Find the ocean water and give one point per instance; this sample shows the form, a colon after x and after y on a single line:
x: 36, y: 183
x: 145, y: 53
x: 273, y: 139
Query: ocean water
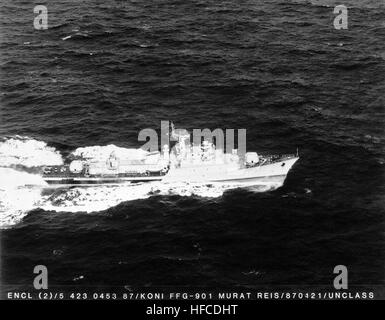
x: 104, y: 70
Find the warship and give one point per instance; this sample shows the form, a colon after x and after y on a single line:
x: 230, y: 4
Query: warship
x: 185, y: 162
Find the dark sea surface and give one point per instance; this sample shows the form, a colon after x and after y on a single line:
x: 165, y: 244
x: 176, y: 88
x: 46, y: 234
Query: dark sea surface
x: 104, y: 70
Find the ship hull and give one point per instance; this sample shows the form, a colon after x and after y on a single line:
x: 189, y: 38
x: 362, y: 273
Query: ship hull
x: 274, y: 173
x: 226, y: 173
x: 86, y: 181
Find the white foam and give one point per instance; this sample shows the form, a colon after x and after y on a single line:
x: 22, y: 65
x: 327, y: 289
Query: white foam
x: 103, y: 152
x: 20, y: 192
x: 91, y: 199
x: 99, y: 198
x: 10, y: 178
x: 27, y: 152
x: 18, y: 201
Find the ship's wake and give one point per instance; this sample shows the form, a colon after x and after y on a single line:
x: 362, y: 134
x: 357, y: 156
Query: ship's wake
x: 21, y: 192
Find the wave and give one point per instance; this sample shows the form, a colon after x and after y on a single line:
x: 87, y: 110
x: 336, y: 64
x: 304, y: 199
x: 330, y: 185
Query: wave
x: 103, y: 152
x: 11, y: 178
x: 15, y: 203
x: 16, y: 199
x: 27, y: 152
x: 77, y: 35
x: 100, y: 198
